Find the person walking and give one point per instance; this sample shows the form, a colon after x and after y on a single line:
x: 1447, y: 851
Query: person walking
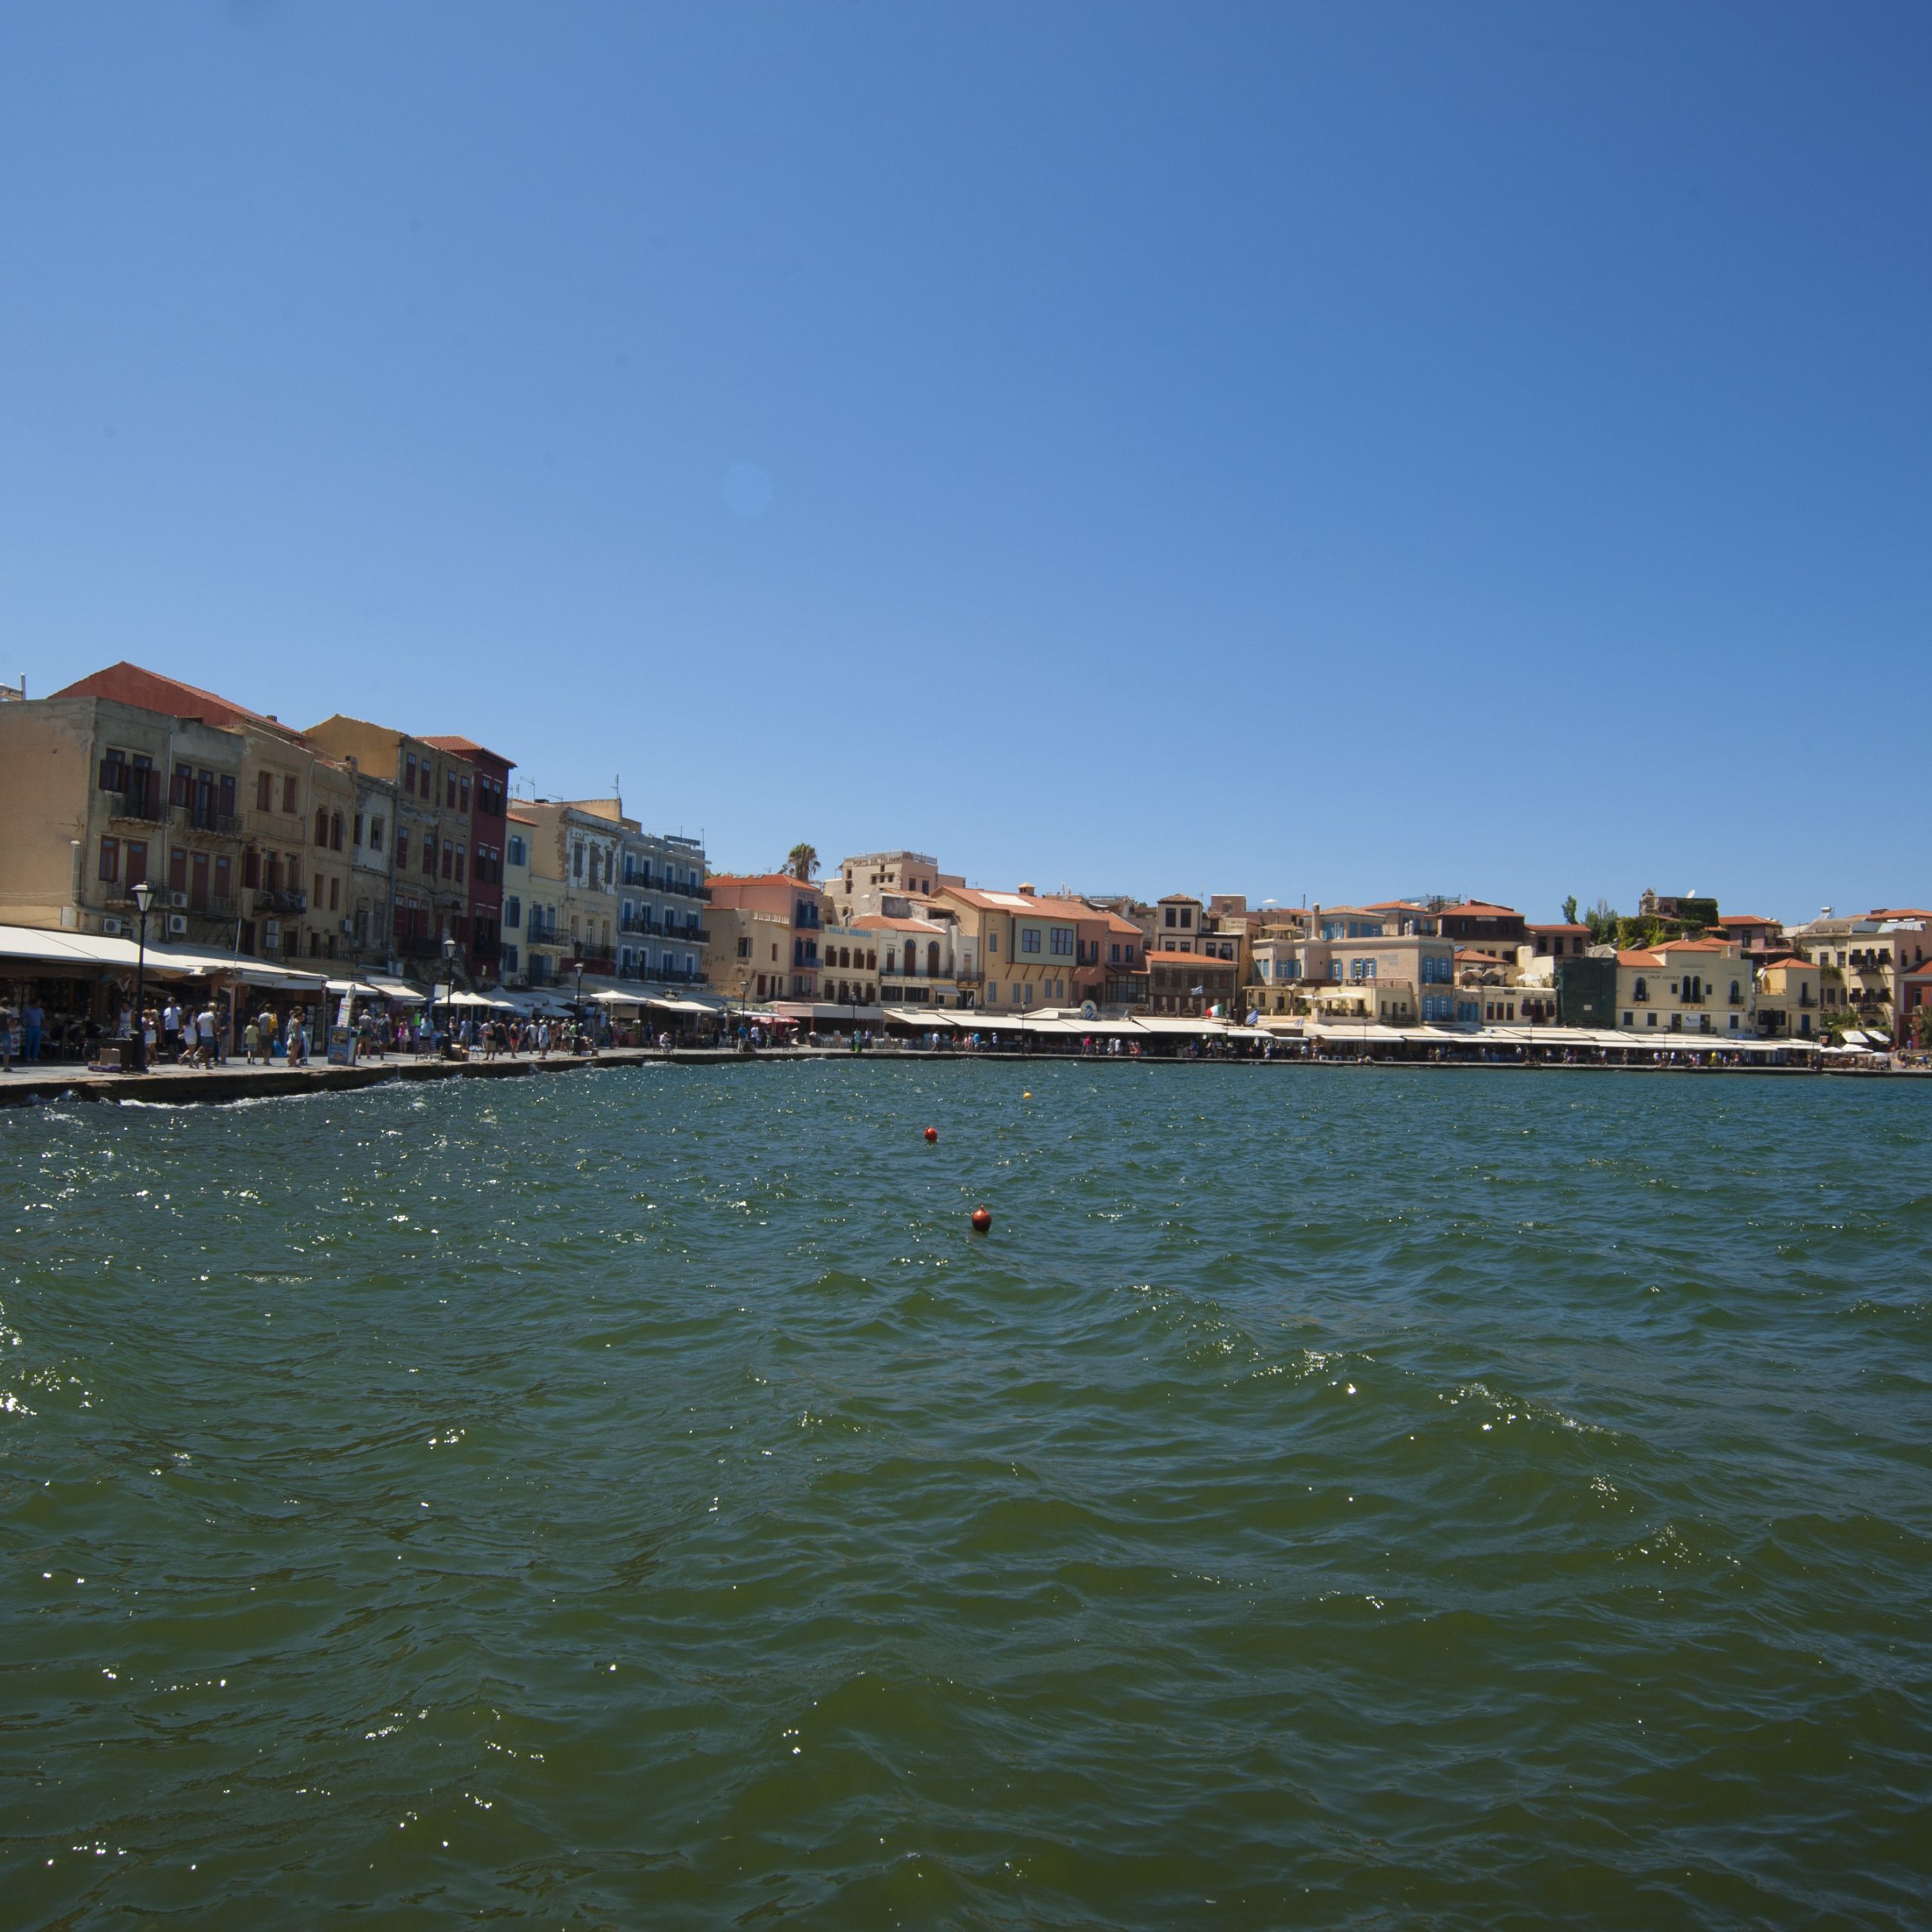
x: 204, y: 1035
x: 31, y: 1019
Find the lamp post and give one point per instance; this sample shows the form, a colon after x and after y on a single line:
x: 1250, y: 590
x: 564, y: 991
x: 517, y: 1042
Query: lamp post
x: 138, y: 1043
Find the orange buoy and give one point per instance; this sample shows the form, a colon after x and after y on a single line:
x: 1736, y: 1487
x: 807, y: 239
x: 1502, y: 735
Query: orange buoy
x: 981, y: 1220
x: 932, y: 1133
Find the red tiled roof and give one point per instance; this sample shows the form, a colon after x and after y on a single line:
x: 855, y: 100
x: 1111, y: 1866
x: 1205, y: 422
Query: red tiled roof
x: 469, y: 747
x: 1479, y: 909
x: 132, y: 684
x: 1785, y: 959
x: 756, y: 878
x: 1557, y: 929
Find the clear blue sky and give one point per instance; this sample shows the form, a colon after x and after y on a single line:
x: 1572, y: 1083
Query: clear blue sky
x: 1324, y: 450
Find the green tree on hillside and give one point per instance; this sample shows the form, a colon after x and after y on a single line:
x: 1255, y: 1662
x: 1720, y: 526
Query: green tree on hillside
x: 1569, y: 910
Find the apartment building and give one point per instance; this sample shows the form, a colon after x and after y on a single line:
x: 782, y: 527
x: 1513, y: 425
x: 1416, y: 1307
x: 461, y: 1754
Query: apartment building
x: 371, y: 867
x: 663, y: 898
x: 1787, y: 999
x: 804, y: 908
x: 1863, y: 960
x: 534, y: 952
x: 488, y: 796
x: 432, y: 848
x: 98, y: 796
x: 746, y: 953
x: 860, y: 885
x: 1404, y: 980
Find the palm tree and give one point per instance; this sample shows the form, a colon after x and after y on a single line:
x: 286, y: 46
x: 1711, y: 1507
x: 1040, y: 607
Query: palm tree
x: 801, y: 861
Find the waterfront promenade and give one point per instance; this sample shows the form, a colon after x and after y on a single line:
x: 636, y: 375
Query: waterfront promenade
x: 178, y: 1086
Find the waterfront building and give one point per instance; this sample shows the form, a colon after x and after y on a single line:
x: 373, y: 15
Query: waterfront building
x: 860, y: 884
x: 803, y: 907
x: 268, y: 811
x: 1015, y: 951
x: 746, y: 953
x: 1475, y: 922
x: 849, y: 975
x: 1191, y: 983
x: 371, y: 868
x: 1680, y: 986
x: 1404, y: 980
x: 1763, y: 940
x: 328, y: 926
x: 488, y: 798
x: 1559, y: 942
x: 534, y: 953
x: 430, y: 861
x: 916, y: 955
x: 1863, y: 960
x: 98, y: 796
x: 663, y: 898
x: 578, y: 842
x: 1787, y: 1003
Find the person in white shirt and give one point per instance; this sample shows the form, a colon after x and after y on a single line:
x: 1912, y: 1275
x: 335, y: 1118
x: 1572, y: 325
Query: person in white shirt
x: 170, y: 1029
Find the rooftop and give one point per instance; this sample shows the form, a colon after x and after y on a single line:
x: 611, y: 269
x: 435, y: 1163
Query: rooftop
x: 468, y: 748
x: 133, y: 683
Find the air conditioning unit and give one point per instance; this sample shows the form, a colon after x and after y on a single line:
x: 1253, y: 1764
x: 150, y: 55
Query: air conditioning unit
x: 114, y: 928
x: 177, y: 899
x: 177, y: 924
x: 272, y: 932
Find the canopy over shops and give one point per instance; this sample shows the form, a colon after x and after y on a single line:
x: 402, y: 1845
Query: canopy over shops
x: 25, y: 946
x: 398, y: 992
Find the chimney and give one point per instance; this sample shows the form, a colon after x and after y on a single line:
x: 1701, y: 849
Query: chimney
x: 1028, y: 890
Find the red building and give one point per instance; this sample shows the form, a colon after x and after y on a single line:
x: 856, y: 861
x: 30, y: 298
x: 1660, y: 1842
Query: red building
x: 489, y: 807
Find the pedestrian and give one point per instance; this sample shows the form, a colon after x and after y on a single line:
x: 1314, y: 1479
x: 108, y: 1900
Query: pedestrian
x: 171, y: 1029
x: 9, y: 1039
x: 204, y: 1031
x: 31, y: 1019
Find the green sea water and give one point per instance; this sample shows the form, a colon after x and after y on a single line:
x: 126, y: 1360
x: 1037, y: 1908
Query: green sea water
x: 1328, y: 1497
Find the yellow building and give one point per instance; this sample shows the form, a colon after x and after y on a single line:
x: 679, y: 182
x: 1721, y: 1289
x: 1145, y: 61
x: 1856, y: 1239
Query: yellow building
x: 1789, y: 995
x: 1701, y: 987
x: 1016, y: 950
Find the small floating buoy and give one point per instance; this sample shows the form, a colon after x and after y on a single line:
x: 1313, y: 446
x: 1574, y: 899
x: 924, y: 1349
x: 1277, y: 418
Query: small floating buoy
x: 981, y: 1220
x: 932, y: 1133
x: 1028, y: 1095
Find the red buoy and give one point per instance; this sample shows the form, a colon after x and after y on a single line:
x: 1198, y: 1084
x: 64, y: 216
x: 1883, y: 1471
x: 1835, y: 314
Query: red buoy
x: 932, y: 1133
x: 981, y: 1220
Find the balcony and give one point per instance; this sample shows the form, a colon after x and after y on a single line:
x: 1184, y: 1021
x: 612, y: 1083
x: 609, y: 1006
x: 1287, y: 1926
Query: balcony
x: 639, y: 923
x: 276, y: 899
x: 196, y: 818
x: 135, y: 793
x: 417, y: 945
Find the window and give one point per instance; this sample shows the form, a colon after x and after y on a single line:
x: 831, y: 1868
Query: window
x: 228, y: 794
x: 1063, y: 940
x: 409, y: 773
x: 136, y: 858
x: 177, y: 869
x: 401, y: 843
x: 264, y: 792
x: 429, y: 853
x: 288, y: 803
x: 744, y: 949
x: 518, y: 855
x: 449, y: 858
x: 1641, y: 991
x: 1171, y: 911
x: 463, y: 800
x: 1029, y: 939
x: 224, y: 878
x: 335, y: 832
x: 992, y: 941
x: 110, y: 861
x: 459, y: 856
x: 358, y: 828
x: 321, y: 826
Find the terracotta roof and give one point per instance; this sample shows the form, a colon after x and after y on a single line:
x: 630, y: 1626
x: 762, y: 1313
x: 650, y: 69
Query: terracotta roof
x: 878, y: 922
x: 470, y: 747
x: 1878, y: 912
x: 1745, y: 919
x: 1785, y: 959
x: 1557, y: 929
x: 131, y: 684
x: 1478, y: 909
x: 1021, y: 904
x: 1640, y: 958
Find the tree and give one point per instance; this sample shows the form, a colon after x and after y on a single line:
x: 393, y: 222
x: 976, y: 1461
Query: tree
x: 801, y: 862
x: 1603, y: 919
x: 1569, y: 910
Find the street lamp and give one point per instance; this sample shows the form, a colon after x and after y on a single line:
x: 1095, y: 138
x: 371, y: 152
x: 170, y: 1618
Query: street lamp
x: 138, y: 1044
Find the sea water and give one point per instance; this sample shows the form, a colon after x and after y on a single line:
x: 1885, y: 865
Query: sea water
x: 1328, y: 1496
